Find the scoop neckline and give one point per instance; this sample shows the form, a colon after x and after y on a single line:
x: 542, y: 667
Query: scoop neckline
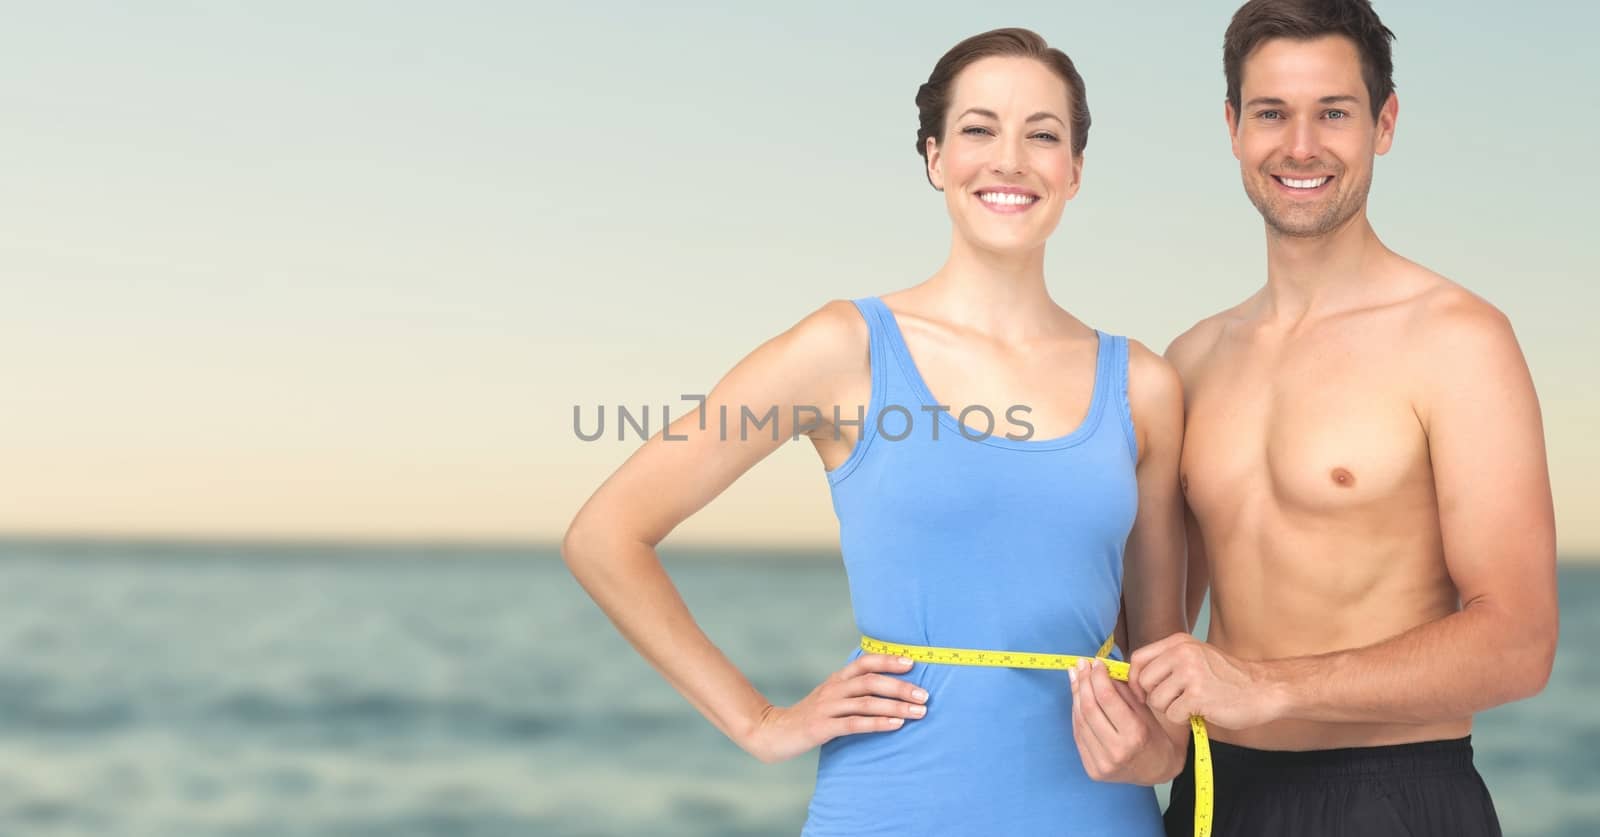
x: 919, y: 386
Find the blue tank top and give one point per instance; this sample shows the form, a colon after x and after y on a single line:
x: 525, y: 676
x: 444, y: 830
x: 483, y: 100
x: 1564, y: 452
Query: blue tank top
x: 992, y: 542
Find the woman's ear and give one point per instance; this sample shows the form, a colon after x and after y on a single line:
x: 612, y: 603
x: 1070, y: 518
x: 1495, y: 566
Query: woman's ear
x: 935, y: 168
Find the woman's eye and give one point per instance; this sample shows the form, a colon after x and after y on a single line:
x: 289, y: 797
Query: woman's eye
x: 974, y: 130
x: 1046, y: 136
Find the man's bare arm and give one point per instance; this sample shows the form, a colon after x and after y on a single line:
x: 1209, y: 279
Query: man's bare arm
x: 1491, y: 478
x: 1186, y: 353
x: 1199, y: 571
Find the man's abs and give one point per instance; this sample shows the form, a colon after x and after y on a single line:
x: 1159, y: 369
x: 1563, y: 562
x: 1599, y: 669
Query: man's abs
x: 1284, y: 593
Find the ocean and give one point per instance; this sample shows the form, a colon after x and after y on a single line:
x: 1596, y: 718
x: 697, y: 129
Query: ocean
x: 187, y: 690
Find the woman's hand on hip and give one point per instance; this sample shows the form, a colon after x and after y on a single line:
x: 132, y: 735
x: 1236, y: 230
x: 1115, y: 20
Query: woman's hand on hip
x: 858, y: 698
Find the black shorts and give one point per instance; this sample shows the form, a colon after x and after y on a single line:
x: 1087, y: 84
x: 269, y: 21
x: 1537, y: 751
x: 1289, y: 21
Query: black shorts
x: 1407, y: 790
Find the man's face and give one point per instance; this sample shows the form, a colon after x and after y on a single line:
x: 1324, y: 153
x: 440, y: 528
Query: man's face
x: 1304, y: 134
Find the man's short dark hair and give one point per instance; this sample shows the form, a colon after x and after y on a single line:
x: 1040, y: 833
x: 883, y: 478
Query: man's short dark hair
x: 1259, y: 21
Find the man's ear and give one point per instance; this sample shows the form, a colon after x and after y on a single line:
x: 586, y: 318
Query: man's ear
x: 1387, y: 116
x: 1232, y: 117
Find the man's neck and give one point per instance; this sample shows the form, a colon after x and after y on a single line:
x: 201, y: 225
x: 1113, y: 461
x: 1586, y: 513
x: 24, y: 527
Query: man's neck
x: 1312, y: 276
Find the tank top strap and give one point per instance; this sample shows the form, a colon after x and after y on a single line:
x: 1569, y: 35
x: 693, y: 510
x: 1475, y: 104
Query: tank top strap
x: 880, y: 360
x: 1112, y: 376
x: 891, y: 382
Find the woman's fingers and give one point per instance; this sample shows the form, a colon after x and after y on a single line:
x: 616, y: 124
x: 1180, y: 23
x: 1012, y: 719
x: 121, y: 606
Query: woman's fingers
x: 1116, y: 701
x: 877, y: 706
x: 884, y: 686
x: 870, y: 714
x: 1090, y: 748
x: 864, y: 696
x: 869, y: 663
x: 854, y: 724
x: 1095, y: 711
x: 1110, y: 724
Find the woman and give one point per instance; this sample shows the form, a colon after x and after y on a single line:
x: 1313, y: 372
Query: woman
x: 1013, y: 534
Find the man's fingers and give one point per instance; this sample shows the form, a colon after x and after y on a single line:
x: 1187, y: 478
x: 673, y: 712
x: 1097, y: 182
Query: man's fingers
x: 1156, y: 649
x: 1152, y: 674
x: 1163, y: 697
x: 1180, y: 710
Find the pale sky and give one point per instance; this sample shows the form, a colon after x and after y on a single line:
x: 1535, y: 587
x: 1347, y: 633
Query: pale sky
x: 343, y: 270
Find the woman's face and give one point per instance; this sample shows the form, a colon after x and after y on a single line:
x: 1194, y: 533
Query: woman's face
x: 1005, y: 161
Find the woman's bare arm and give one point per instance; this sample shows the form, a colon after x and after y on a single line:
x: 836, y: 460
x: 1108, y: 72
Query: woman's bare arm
x: 610, y: 546
x: 1118, y: 736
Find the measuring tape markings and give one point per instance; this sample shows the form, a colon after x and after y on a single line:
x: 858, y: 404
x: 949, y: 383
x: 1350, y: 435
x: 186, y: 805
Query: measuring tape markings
x: 1061, y: 662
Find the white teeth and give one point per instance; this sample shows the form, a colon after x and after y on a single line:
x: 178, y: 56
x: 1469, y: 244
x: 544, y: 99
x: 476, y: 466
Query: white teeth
x: 1303, y: 184
x: 1006, y: 198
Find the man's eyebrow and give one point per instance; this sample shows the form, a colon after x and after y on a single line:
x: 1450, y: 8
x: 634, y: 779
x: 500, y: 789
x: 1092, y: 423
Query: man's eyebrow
x: 989, y: 114
x: 1271, y: 101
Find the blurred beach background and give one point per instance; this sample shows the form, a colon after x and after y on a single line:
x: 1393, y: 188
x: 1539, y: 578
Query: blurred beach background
x: 298, y: 301
x: 244, y: 690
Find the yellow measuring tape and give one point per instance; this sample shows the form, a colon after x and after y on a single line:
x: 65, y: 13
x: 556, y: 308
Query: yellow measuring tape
x: 1061, y: 662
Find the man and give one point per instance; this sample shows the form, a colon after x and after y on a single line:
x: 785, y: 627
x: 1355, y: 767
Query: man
x: 1365, y: 473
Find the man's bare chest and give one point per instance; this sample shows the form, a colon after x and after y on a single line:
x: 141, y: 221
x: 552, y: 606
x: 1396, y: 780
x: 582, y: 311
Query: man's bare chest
x: 1315, y: 428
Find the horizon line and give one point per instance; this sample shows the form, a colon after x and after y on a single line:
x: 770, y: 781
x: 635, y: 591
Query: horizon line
x: 194, y: 540
x: 355, y: 541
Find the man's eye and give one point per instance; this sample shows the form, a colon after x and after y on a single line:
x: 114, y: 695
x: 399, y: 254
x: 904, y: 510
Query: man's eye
x: 1270, y: 115
x: 1337, y: 114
